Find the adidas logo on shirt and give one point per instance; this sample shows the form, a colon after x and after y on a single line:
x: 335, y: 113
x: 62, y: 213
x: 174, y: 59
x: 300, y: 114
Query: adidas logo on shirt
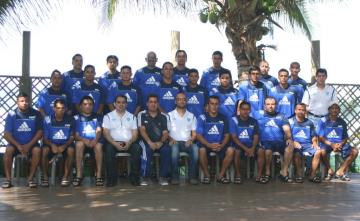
x: 151, y: 80
x: 254, y: 98
x: 168, y: 96
x: 301, y: 134
x: 193, y: 100
x: 284, y: 101
x: 24, y: 127
x: 244, y: 135
x: 229, y: 101
x: 271, y: 123
x: 76, y: 85
x: 128, y: 98
x: 213, y: 130
x: 332, y: 134
x: 215, y: 82
x: 181, y: 81
x: 59, y: 135
x: 88, y: 130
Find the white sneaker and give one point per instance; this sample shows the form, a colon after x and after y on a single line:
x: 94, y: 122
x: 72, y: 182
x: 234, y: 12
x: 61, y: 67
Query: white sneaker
x: 163, y: 181
x: 143, y: 181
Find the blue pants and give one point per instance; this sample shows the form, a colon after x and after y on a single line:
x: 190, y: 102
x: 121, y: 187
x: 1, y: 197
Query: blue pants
x: 147, y: 156
x: 193, y: 152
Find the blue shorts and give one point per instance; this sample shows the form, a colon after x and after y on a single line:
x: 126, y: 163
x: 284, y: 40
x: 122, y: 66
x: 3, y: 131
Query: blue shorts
x: 64, y: 153
x: 345, y: 151
x: 220, y: 154
x: 242, y: 153
x: 274, y: 146
x: 305, y: 150
x: 17, y: 152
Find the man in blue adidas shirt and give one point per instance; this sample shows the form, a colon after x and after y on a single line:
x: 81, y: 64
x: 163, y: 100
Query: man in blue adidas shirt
x: 295, y: 80
x: 266, y: 78
x: 196, y: 95
x: 148, y: 78
x: 286, y: 95
x: 227, y: 94
x: 88, y: 138
x: 59, y: 131
x: 23, y: 130
x: 275, y: 136
x: 305, y: 143
x: 112, y: 75
x: 74, y: 76
x: 154, y: 133
x: 210, y: 77
x: 127, y: 88
x: 181, y: 72
x: 245, y: 134
x: 334, y: 137
x: 168, y: 89
x: 253, y: 90
x: 212, y: 132
x: 89, y: 88
x: 45, y: 102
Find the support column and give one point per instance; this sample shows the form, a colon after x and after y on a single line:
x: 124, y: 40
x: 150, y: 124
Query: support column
x: 25, y: 81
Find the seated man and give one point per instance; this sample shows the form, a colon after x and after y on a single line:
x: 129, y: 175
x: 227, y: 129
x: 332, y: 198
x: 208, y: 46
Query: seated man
x: 333, y: 135
x: 58, y: 139
x: 88, y: 136
x: 305, y: 143
x: 245, y: 134
x: 23, y: 130
x: 154, y: 135
x: 120, y: 132
x: 275, y: 136
x: 212, y: 132
x: 182, y: 128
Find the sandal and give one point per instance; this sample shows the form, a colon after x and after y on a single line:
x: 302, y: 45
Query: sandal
x: 237, y: 180
x: 6, y: 184
x: 99, y: 181
x: 65, y: 183
x: 315, y: 179
x: 206, y: 180
x: 264, y: 179
x: 32, y: 184
x: 223, y: 180
x: 343, y: 178
x: 299, y: 180
x: 329, y: 177
x: 285, y: 179
x: 44, y: 183
x: 77, y: 181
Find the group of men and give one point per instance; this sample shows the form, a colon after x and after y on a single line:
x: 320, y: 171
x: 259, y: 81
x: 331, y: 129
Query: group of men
x: 165, y: 110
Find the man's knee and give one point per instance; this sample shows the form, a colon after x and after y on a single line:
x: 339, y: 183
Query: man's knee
x: 79, y: 145
x: 230, y: 151
x: 36, y: 151
x: 9, y: 151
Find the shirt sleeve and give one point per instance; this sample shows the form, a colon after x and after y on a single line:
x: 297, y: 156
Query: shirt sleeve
x: 38, y: 121
x: 41, y: 100
x: 226, y: 125
x: 133, y: 123
x: 321, y: 125
x: 9, y: 125
x: 232, y: 125
x: 193, y: 125
x: 306, y: 97
x: 46, y: 129
x: 344, y: 133
x: 106, y: 121
x: 256, y: 128
x: 200, y: 124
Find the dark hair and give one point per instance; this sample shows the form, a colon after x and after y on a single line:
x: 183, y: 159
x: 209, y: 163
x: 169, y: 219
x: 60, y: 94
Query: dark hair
x: 167, y: 62
x: 125, y: 67
x: 86, y: 98
x: 321, y: 70
x: 283, y: 70
x: 76, y: 55
x: 245, y: 103
x: 59, y: 101
x: 217, y: 53
x: 112, y: 57
x: 193, y: 70
x: 180, y: 51
x: 22, y: 94
x: 225, y: 71
x: 152, y: 95
x: 213, y: 97
x: 55, y: 72
x: 120, y: 95
x: 270, y: 98
x: 253, y: 68
x: 89, y: 66
x: 295, y: 63
x: 301, y: 104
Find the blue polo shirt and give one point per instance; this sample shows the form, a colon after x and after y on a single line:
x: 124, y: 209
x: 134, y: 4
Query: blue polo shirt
x: 302, y: 132
x: 228, y: 98
x: 132, y: 93
x: 269, y: 81
x: 167, y: 95
x: 196, y: 99
x: 86, y: 125
x: 244, y: 129
x: 286, y: 99
x: 270, y: 126
x: 213, y: 129
x: 334, y: 132
x: 48, y: 96
x: 210, y: 78
x: 59, y: 132
x: 181, y: 76
x: 94, y: 90
x: 254, y: 94
x: 107, y: 79
x: 70, y: 80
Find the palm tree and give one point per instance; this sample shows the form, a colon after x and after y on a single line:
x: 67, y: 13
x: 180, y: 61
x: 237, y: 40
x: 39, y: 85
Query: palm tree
x: 245, y: 21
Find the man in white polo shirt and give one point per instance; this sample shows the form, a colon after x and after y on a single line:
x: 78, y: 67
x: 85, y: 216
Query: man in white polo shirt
x: 318, y: 97
x: 120, y: 132
x: 182, y: 127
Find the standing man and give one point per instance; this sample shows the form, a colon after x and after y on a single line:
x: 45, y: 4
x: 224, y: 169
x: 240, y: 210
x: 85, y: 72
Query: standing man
x: 181, y: 71
x: 127, y: 88
x: 318, y: 97
x: 275, y: 136
x: 286, y: 95
x: 59, y: 130
x: 266, y: 78
x: 89, y: 88
x: 88, y: 138
x: 154, y: 137
x: 334, y: 137
x: 210, y: 77
x: 74, y: 76
x: 45, y: 102
x: 182, y: 127
x: 148, y: 78
x: 112, y: 75
x: 305, y: 143
x: 212, y: 132
x: 196, y: 94
x: 120, y: 132
x: 295, y: 80
x: 245, y: 134
x: 23, y: 130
